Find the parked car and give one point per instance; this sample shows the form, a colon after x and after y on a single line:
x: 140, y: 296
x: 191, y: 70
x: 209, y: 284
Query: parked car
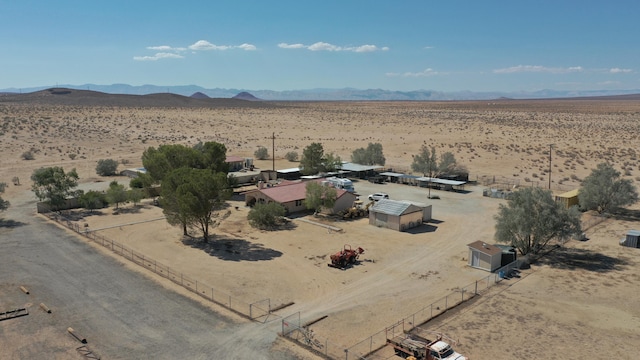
x: 378, y: 196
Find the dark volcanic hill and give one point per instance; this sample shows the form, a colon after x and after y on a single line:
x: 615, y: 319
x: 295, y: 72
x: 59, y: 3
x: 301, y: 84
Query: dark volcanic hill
x: 64, y: 96
x: 246, y: 96
x: 199, y: 95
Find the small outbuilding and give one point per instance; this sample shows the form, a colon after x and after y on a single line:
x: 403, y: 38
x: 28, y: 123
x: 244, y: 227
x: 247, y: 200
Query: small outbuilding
x: 484, y: 256
x: 631, y: 240
x: 568, y: 199
x: 395, y: 215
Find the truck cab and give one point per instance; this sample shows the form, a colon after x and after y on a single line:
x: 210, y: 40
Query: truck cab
x: 440, y: 350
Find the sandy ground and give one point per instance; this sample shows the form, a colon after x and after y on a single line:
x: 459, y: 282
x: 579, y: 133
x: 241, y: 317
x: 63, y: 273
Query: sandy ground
x: 552, y: 308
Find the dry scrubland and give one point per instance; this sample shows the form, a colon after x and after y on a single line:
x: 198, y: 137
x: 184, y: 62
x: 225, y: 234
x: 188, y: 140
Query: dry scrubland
x: 588, y: 299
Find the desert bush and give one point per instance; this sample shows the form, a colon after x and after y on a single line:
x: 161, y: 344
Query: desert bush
x: 262, y: 153
x: 28, y: 155
x: 72, y: 156
x: 266, y: 216
x: 291, y: 156
x: 136, y: 183
x: 106, y: 167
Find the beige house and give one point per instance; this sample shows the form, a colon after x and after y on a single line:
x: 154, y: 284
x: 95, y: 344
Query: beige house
x: 396, y: 215
x: 484, y: 256
x: 291, y: 195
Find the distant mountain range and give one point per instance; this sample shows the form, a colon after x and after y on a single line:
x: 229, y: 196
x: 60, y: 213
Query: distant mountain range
x: 346, y: 94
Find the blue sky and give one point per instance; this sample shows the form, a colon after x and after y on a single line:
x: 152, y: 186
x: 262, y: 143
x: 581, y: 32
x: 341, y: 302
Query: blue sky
x: 291, y: 45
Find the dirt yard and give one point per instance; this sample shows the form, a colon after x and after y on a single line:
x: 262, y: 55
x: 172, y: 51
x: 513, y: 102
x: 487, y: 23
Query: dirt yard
x: 578, y: 296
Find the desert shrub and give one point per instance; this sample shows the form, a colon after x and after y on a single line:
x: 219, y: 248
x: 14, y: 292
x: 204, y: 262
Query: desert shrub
x: 262, y: 153
x: 106, y: 167
x: 136, y: 183
x: 291, y: 156
x: 266, y: 216
x: 72, y: 156
x: 92, y: 200
x: 28, y: 155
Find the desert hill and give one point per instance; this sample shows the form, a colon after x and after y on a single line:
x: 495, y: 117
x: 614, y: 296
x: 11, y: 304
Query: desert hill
x: 65, y: 96
x: 246, y: 96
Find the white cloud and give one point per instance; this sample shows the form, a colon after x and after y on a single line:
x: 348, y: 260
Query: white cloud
x: 205, y: 45
x: 158, y: 56
x: 537, y: 69
x: 423, y: 73
x: 247, y: 47
x: 291, y: 46
x: 323, y: 46
x: 618, y: 70
x: 165, y: 48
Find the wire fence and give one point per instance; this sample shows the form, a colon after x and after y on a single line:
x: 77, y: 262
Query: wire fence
x: 258, y: 310
x: 293, y: 329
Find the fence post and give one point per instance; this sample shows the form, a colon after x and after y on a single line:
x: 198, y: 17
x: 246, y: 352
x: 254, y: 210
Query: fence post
x: 181, y: 279
x: 431, y: 315
x: 212, y: 294
x: 445, y: 302
x: 196, y: 285
x: 476, y: 288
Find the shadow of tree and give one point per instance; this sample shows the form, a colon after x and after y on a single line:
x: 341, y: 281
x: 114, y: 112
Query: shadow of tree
x: 10, y: 223
x: 233, y: 249
x: 627, y: 215
x: 575, y: 259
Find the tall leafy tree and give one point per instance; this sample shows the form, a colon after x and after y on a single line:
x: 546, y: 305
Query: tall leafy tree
x: 319, y: 196
x: 53, y: 186
x: 191, y: 196
x: 331, y: 162
x: 117, y: 194
x: 604, y: 191
x: 372, y: 155
x: 166, y: 158
x: 214, y: 157
x: 312, y: 159
x: 447, y: 163
x: 532, y: 218
x: 425, y: 162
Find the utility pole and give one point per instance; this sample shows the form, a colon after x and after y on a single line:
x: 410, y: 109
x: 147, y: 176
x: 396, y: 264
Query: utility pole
x: 273, y: 152
x: 550, y: 147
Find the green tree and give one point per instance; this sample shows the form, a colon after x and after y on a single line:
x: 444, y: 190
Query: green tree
x: 319, y: 196
x: 266, y: 216
x: 447, y: 163
x: 214, y: 157
x: 116, y: 194
x: 425, y: 162
x: 532, y: 218
x: 372, y: 155
x: 106, y: 167
x: 135, y: 195
x: 312, y: 159
x: 604, y: 191
x: 159, y: 162
x: 53, y: 186
x: 291, y: 156
x: 92, y: 200
x: 262, y: 153
x: 191, y: 196
x: 331, y: 162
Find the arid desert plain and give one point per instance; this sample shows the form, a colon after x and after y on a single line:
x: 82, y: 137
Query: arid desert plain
x: 577, y: 302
